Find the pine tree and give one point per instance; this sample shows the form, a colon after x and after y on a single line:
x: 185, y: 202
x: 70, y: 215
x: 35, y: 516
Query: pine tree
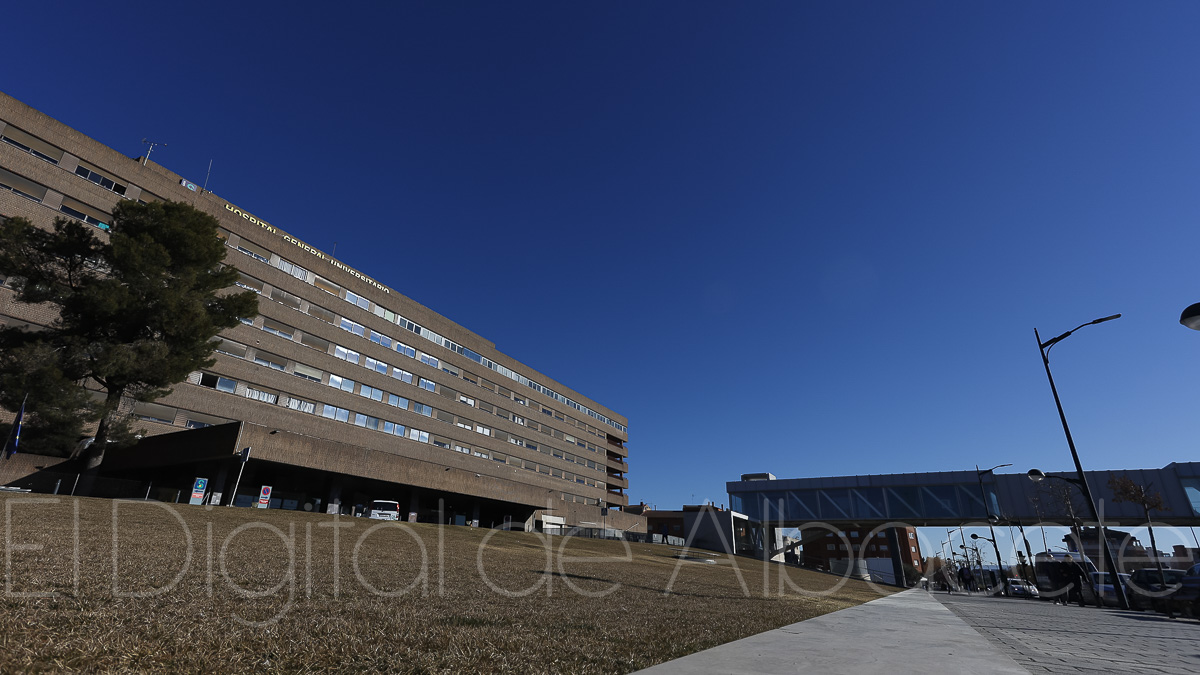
x: 136, y: 313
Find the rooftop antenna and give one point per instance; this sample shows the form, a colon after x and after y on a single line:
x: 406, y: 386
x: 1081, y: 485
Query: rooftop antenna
x: 151, y: 144
x: 334, y: 249
x: 206, y: 176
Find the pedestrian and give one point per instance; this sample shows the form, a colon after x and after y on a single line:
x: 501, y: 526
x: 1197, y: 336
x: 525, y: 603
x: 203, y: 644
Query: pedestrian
x: 1075, y: 577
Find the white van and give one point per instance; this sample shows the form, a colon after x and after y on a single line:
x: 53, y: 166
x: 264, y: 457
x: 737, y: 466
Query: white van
x: 383, y: 510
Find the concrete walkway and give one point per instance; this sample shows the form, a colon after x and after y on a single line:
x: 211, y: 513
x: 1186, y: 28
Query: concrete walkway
x: 908, y: 632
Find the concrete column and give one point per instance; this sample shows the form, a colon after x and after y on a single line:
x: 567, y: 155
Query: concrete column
x: 334, y: 504
x: 412, y: 507
x: 894, y: 544
x: 475, y: 515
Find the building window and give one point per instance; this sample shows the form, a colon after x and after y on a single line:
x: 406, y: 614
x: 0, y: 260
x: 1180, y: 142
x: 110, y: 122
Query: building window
x: 196, y: 424
x: 285, y: 298
x: 270, y: 360
x: 249, y: 283
x: 466, y: 399
x: 402, y: 375
x: 479, y: 428
x: 85, y: 170
x: 381, y: 339
x: 88, y: 214
x: 345, y: 354
x: 422, y: 409
x: 318, y: 312
x: 406, y: 350
x: 314, y: 342
x: 335, y: 413
x: 217, y: 382
x: 377, y: 366
x: 418, y: 435
x: 356, y: 328
x: 31, y: 144
x: 393, y: 428
x: 398, y: 401
x: 308, y: 372
x: 22, y: 186
x: 276, y: 328
x: 426, y: 384
x: 264, y: 396
x: 429, y: 360
x: 327, y: 285
x: 366, y: 421
x: 231, y: 349
x: 359, y: 300
x: 341, y: 383
x: 371, y: 393
x: 302, y: 406
x: 293, y: 269
x: 254, y: 251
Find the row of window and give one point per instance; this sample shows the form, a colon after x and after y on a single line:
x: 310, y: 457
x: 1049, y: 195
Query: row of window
x: 36, y: 192
x: 328, y: 411
x: 381, y: 367
x: 366, y: 391
x: 363, y: 303
x: 53, y: 154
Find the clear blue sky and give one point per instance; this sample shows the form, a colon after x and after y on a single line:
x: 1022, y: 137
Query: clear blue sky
x: 811, y: 239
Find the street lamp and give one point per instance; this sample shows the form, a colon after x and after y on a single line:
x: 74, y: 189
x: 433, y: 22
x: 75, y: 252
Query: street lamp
x: 1044, y: 348
x: 999, y: 565
x: 1191, y: 317
x: 1020, y: 526
x: 987, y: 509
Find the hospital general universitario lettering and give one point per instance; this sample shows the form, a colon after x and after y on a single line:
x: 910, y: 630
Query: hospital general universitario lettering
x: 369, y: 401
x: 308, y: 249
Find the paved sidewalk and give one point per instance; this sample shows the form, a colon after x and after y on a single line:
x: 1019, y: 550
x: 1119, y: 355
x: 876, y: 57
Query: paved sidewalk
x: 908, y: 632
x: 1044, y: 637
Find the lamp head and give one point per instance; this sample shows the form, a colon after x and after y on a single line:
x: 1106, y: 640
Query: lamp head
x: 1191, y: 317
x: 974, y: 536
x: 1036, y: 475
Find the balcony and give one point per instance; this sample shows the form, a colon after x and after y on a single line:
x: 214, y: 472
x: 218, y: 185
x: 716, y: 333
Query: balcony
x: 617, y: 481
x: 616, y: 499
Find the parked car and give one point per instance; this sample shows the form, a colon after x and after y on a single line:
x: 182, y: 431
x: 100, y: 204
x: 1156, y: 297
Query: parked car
x: 1019, y: 588
x: 1103, y: 583
x: 1186, y: 599
x: 1145, y: 590
x: 384, y: 510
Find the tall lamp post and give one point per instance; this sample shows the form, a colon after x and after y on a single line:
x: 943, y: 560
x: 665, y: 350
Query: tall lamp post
x: 988, y: 510
x: 1044, y: 348
x: 999, y: 565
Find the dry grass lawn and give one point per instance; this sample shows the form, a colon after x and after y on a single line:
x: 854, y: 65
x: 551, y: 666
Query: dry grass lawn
x: 285, y: 591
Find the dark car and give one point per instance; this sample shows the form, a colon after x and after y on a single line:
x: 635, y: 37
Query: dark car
x: 1187, y: 599
x: 1145, y: 590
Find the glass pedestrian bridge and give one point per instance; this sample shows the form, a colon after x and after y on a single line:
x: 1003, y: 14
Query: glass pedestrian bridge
x: 952, y: 498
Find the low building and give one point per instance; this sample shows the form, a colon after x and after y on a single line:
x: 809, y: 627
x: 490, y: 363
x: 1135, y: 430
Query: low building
x: 705, y: 526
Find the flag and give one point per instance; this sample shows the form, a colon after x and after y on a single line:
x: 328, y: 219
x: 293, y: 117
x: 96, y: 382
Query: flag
x: 15, y: 436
